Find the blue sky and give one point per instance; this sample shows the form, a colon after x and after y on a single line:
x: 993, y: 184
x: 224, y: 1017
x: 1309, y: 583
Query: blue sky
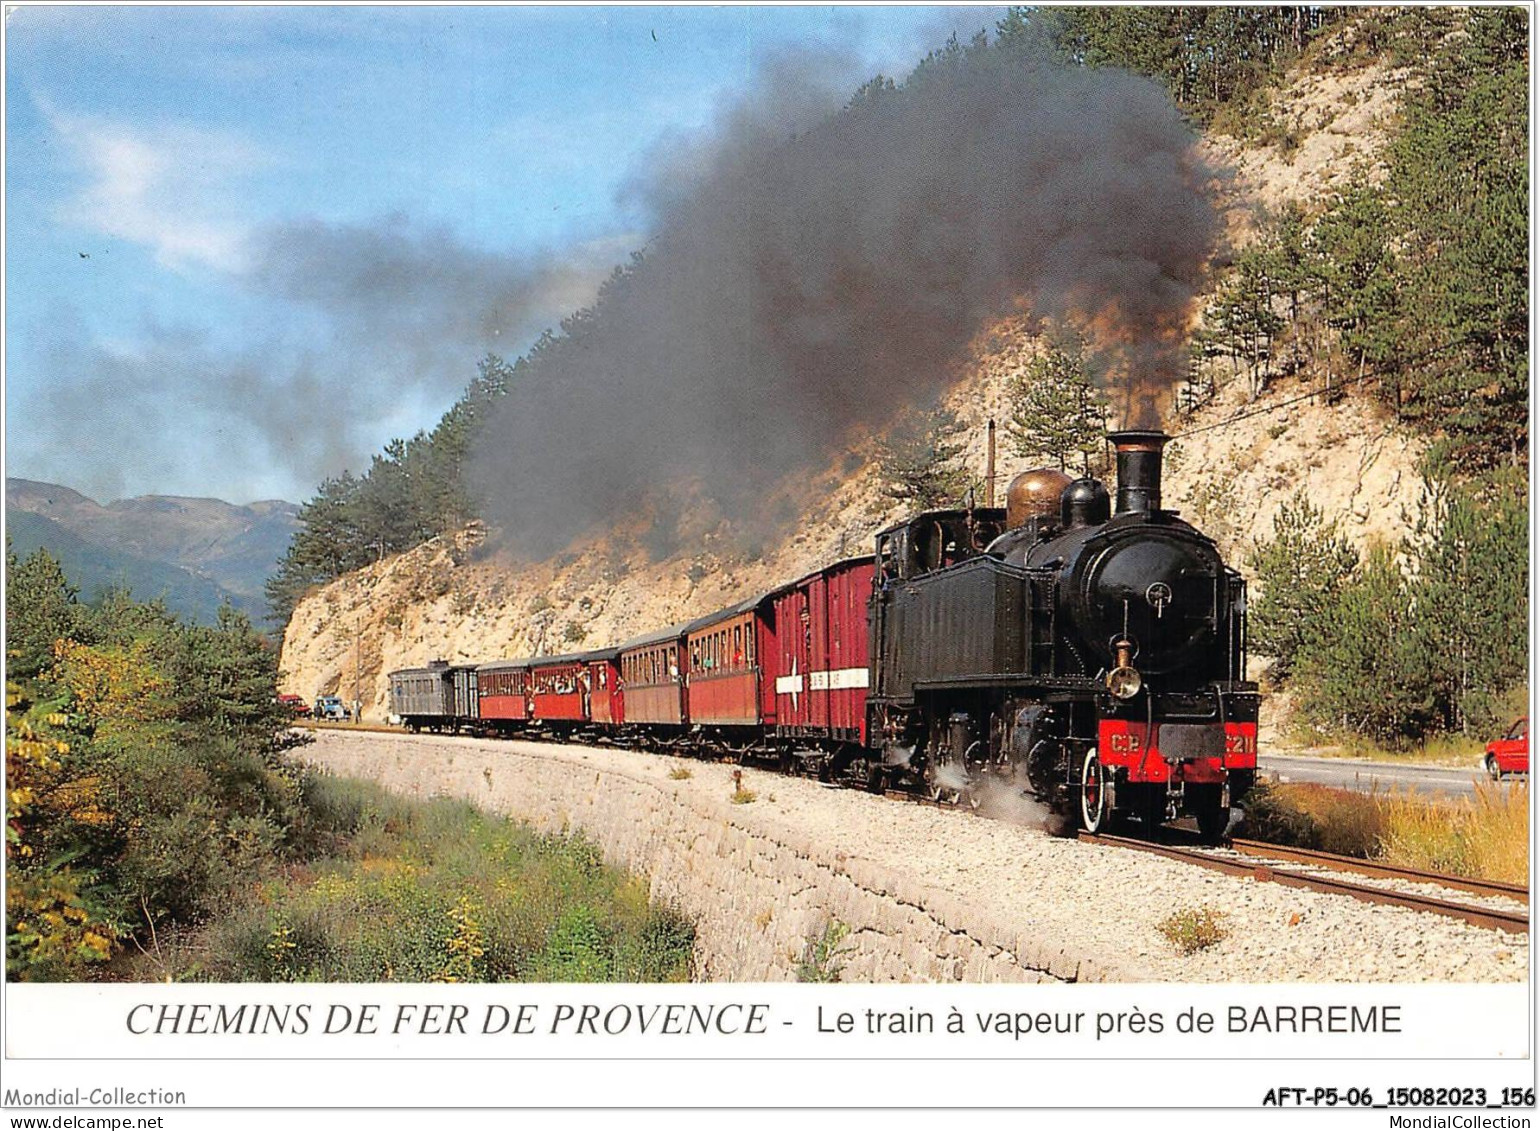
x: 246, y: 246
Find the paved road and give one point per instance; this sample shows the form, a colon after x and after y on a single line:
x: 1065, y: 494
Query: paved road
x: 1346, y: 773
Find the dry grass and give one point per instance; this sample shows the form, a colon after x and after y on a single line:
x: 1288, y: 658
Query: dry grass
x: 1316, y: 816
x: 744, y: 796
x: 1485, y: 836
x: 680, y: 773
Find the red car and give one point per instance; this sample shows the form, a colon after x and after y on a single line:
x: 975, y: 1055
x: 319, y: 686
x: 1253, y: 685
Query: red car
x: 295, y: 704
x: 1510, y: 753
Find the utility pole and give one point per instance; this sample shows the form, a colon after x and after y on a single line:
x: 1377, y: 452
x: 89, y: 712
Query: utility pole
x: 358, y: 637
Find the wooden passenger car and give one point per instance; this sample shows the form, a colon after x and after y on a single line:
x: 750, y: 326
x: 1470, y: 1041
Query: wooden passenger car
x: 727, y: 685
x: 559, y: 689
x: 441, y: 696
x: 652, y: 677
x: 423, y: 697
x: 503, y: 692
x: 822, y: 646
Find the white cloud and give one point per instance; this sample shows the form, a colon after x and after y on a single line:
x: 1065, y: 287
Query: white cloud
x: 171, y: 188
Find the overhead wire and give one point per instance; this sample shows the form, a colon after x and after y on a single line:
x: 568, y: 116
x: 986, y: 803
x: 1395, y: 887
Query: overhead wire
x: 1326, y: 389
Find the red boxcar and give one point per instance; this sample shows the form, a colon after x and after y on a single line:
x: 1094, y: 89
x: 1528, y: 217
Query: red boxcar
x: 504, y: 692
x: 559, y: 688
x: 822, y: 665
x: 652, y: 678
x: 727, y: 685
x: 606, y: 698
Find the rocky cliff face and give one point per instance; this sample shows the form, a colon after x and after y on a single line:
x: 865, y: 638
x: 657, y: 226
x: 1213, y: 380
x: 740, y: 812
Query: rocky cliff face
x: 457, y: 598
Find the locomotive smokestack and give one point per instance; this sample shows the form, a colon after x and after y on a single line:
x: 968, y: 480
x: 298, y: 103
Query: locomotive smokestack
x: 1139, y: 458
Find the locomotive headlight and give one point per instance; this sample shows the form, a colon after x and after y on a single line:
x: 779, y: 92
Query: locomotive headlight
x: 1124, y: 682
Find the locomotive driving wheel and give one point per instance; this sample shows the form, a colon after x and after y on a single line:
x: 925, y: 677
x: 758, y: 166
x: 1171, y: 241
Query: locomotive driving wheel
x: 1093, y: 793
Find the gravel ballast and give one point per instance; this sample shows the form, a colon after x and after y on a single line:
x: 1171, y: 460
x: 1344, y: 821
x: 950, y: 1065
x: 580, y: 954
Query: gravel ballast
x: 1041, y: 907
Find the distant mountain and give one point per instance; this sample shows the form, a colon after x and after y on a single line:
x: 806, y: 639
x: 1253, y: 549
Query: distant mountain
x: 193, y: 552
x: 94, y: 568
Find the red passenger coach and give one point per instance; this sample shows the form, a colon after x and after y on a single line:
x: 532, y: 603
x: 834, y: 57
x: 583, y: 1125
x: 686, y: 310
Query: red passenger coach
x: 504, y: 693
x: 559, y: 689
x: 728, y: 686
x: 606, y: 699
x: 821, y: 653
x: 652, y: 678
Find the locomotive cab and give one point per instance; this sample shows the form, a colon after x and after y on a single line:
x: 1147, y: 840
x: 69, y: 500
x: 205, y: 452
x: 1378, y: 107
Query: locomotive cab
x: 935, y: 540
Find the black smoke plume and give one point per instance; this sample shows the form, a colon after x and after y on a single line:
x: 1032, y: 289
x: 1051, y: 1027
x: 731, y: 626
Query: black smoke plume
x: 815, y: 268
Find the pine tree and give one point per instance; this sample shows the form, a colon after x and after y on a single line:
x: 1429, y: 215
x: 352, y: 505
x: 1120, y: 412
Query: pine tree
x: 1300, y: 571
x: 1459, y: 174
x: 1365, y: 667
x: 40, y: 609
x: 1472, y: 553
x: 1056, y: 412
x: 918, y: 460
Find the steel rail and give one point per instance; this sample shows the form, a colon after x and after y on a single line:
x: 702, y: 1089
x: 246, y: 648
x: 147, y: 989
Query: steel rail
x: 1373, y: 868
x: 1516, y: 922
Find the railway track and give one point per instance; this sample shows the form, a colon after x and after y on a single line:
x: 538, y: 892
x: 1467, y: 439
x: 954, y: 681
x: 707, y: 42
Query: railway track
x: 1506, y: 908
x: 1314, y: 871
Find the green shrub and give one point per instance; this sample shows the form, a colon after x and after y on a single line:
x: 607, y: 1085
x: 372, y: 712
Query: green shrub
x: 438, y: 891
x: 823, y: 957
x: 1194, y: 929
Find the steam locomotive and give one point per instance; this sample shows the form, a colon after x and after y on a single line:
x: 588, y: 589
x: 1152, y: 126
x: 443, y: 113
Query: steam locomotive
x: 1089, y: 656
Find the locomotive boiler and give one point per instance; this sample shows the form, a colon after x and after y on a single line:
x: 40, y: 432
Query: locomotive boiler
x: 1088, y: 654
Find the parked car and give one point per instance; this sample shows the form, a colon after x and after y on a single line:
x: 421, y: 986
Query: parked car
x: 331, y: 707
x: 296, y: 705
x: 1510, y: 753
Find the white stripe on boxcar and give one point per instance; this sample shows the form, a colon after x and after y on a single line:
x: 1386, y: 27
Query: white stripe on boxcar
x: 840, y: 679
x: 788, y: 685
